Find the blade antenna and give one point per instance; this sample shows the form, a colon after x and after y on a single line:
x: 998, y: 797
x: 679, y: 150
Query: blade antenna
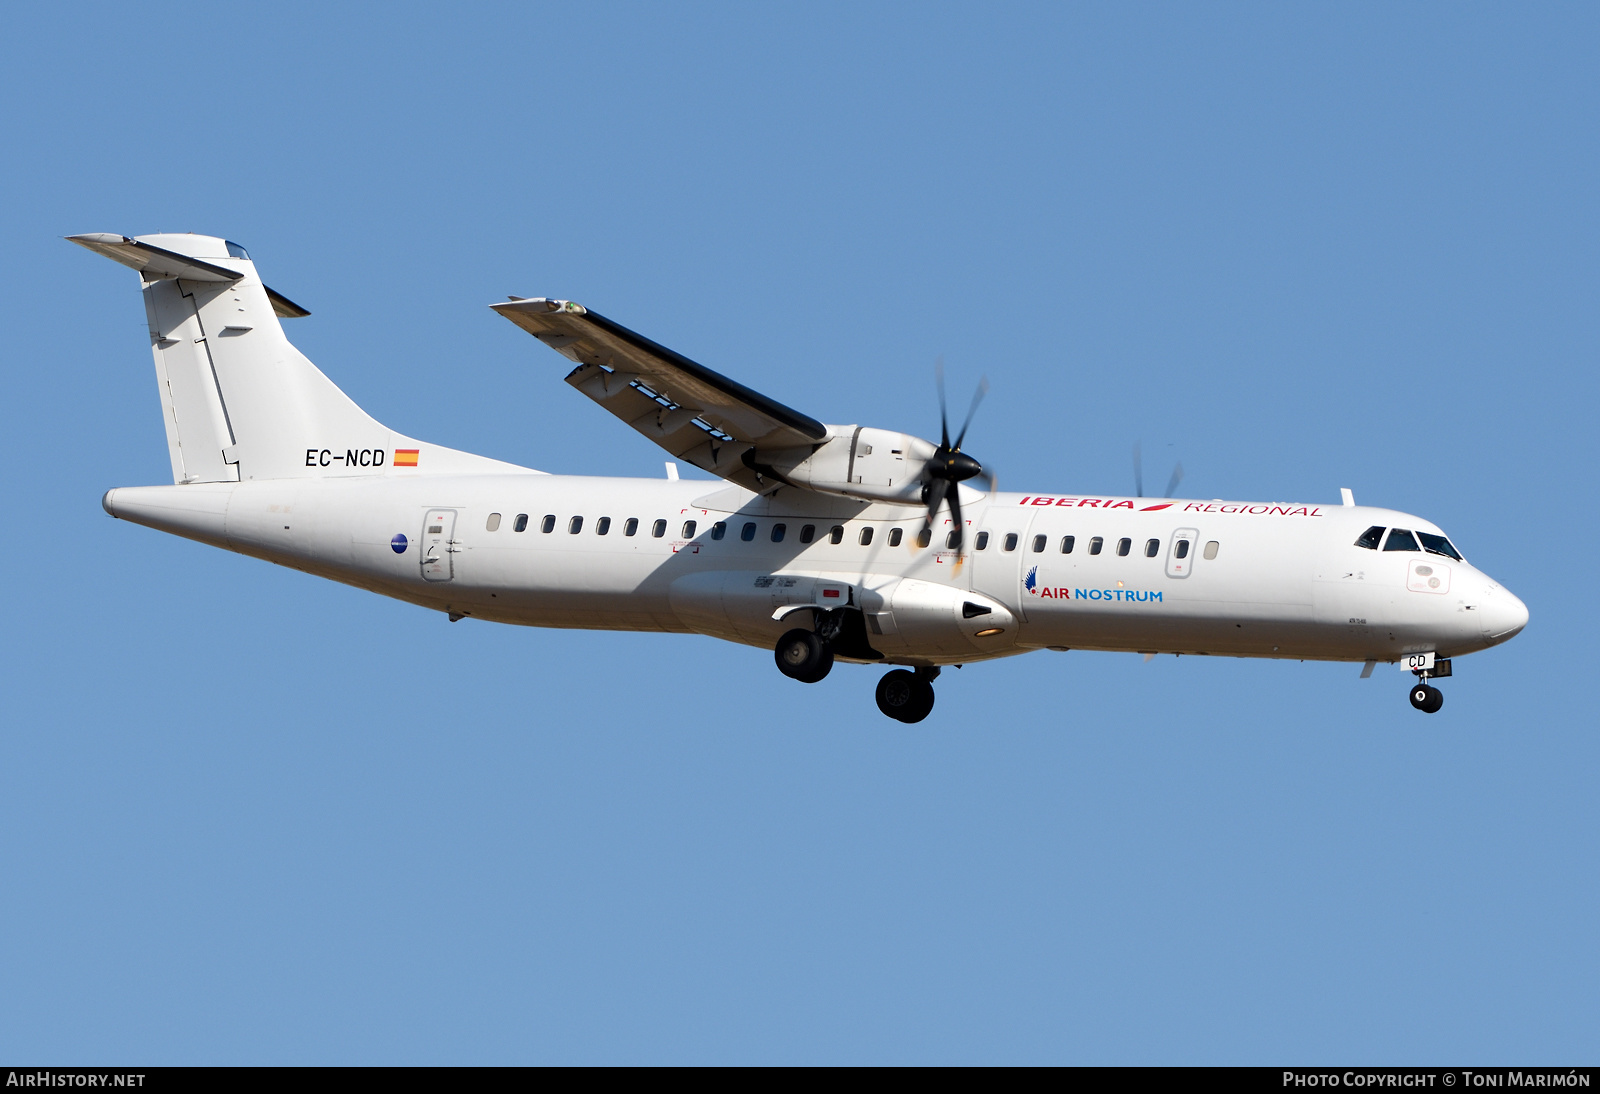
x: 1138, y: 471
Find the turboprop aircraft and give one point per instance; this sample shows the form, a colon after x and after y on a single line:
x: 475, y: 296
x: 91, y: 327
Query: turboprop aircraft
x: 820, y: 542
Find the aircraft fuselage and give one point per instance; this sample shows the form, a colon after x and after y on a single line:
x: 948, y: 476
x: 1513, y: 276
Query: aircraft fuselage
x: 1255, y: 580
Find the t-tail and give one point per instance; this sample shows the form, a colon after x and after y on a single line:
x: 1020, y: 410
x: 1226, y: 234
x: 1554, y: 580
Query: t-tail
x: 238, y: 400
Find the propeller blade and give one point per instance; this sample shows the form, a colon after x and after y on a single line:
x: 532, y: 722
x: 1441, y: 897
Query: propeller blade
x: 1177, y: 477
x: 1138, y: 471
x: 959, y: 536
x: 977, y: 397
x: 944, y: 418
x: 990, y: 479
x: 936, y: 492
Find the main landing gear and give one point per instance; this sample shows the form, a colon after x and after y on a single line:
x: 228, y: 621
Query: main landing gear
x: 1424, y: 696
x: 907, y: 696
x: 804, y: 656
x: 807, y: 656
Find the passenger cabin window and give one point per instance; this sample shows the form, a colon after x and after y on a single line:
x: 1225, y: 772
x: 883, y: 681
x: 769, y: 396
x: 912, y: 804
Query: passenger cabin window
x: 924, y: 537
x: 1067, y: 544
x: 1010, y: 543
x: 866, y: 535
x: 1438, y: 545
x: 1371, y: 538
x: 836, y: 534
x: 894, y: 537
x: 574, y: 526
x: 521, y: 523
x: 719, y: 529
x: 1211, y: 549
x: 1400, y: 540
x: 953, y: 540
x: 1181, y: 550
x: 548, y: 524
x: 658, y: 529
x: 1124, y: 545
x: 1151, y: 546
x: 777, y: 532
x: 493, y: 524
x: 983, y: 541
x: 1095, y: 544
x: 602, y: 526
x: 808, y: 532
x: 630, y: 526
x: 748, y: 532
x: 1038, y: 543
x: 688, y: 530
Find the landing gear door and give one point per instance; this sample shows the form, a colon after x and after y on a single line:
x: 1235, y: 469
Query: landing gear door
x: 1181, y: 551
x: 439, y: 545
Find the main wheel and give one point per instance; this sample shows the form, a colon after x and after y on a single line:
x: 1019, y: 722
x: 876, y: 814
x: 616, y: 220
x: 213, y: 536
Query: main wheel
x: 904, y: 696
x: 802, y: 656
x: 1427, y: 699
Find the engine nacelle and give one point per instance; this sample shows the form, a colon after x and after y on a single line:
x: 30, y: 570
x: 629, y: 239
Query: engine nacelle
x: 856, y: 462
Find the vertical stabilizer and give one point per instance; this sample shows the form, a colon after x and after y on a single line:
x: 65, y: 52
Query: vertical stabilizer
x: 238, y: 400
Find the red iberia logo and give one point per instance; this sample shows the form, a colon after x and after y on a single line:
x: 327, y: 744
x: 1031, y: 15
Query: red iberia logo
x: 405, y: 457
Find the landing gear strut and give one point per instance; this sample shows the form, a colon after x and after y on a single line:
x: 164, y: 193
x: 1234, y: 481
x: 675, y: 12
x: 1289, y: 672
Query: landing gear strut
x: 907, y: 696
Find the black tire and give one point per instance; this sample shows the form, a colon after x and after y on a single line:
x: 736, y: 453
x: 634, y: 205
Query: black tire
x: 1427, y: 698
x: 924, y: 705
x: 904, y: 696
x: 802, y: 656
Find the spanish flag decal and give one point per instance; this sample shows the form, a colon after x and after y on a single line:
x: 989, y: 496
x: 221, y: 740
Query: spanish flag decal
x: 405, y: 457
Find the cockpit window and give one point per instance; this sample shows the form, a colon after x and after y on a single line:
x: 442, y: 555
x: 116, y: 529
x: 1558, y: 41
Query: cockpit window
x: 1401, y: 540
x: 236, y: 251
x: 1371, y: 538
x: 1438, y: 545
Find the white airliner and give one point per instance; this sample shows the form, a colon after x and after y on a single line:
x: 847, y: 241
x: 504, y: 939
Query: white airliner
x: 821, y: 542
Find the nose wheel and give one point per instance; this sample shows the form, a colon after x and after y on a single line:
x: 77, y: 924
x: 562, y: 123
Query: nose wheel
x: 905, y: 696
x: 1426, y: 698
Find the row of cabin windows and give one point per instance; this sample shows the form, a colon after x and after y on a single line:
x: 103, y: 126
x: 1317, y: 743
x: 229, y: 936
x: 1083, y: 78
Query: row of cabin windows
x: 1402, y: 539
x: 602, y: 526
x: 835, y: 534
x: 1152, y: 547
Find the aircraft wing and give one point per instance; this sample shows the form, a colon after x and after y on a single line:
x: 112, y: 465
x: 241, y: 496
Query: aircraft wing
x: 698, y: 415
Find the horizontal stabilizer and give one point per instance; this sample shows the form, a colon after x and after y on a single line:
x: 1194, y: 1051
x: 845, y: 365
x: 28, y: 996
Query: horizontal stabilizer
x: 159, y: 264
x: 153, y: 263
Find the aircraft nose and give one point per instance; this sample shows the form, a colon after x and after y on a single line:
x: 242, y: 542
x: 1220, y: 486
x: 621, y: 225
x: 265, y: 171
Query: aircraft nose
x: 1504, y: 615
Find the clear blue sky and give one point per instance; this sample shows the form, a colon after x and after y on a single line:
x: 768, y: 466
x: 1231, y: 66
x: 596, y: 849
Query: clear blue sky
x: 251, y: 816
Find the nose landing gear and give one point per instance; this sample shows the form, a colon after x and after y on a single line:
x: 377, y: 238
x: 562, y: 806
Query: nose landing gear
x: 1424, y: 696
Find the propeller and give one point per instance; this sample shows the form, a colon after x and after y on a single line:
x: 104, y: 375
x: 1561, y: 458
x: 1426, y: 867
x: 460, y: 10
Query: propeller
x: 1138, y: 475
x: 949, y: 467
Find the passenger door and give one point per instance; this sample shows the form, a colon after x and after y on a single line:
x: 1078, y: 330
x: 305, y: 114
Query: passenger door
x: 1181, y: 550
x: 439, y: 545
